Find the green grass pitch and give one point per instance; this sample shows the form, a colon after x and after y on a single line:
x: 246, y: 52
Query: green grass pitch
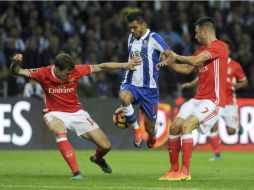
x: 131, y: 170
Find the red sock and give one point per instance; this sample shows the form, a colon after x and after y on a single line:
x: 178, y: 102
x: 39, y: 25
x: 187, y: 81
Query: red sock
x: 215, y: 141
x: 67, y: 151
x: 186, y: 153
x: 174, y: 146
x: 99, y: 153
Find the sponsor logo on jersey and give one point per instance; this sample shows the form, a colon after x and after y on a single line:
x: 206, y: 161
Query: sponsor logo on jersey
x: 141, y: 54
x: 60, y: 90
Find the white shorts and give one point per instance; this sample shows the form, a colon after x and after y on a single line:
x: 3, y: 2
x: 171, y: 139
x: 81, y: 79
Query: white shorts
x: 80, y: 122
x: 230, y: 116
x: 206, y: 111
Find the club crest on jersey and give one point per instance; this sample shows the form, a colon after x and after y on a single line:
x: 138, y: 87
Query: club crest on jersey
x: 33, y: 70
x: 145, y: 43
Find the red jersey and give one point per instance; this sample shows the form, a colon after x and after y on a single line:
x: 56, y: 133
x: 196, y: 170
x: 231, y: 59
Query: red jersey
x: 60, y: 95
x: 235, y: 74
x: 213, y: 73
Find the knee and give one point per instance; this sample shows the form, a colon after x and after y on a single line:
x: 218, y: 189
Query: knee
x: 175, y: 129
x: 57, y: 130
x: 125, y: 98
x: 106, y: 146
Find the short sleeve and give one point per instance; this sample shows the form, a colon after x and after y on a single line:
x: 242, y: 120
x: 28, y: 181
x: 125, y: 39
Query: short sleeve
x: 214, y: 50
x: 84, y: 70
x: 239, y: 74
x: 36, y: 73
x: 159, y: 43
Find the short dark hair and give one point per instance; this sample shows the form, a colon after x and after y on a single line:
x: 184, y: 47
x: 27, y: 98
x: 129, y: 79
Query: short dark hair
x: 137, y: 15
x: 64, y: 61
x: 207, y: 22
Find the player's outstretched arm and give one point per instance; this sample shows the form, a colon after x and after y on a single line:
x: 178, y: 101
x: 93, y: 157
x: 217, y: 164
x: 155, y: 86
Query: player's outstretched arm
x: 193, y: 60
x: 15, y: 68
x: 115, y: 65
x: 182, y: 68
x: 168, y: 59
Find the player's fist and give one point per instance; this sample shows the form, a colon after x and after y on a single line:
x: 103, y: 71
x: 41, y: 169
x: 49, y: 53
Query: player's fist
x: 18, y: 58
x: 167, y: 60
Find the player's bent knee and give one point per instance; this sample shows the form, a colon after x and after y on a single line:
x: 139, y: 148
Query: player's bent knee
x: 106, y: 146
x: 56, y: 129
x: 125, y: 98
x: 175, y: 129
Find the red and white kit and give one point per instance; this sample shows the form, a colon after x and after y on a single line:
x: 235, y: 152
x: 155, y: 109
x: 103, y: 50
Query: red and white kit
x: 235, y: 74
x: 211, y: 93
x: 61, y: 99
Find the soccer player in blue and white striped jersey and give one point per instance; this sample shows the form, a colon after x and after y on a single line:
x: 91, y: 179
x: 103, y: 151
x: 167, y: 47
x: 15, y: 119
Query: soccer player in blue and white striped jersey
x: 141, y: 86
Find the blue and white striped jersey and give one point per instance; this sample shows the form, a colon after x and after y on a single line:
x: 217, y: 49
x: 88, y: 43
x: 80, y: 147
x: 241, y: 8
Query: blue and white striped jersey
x: 148, y: 47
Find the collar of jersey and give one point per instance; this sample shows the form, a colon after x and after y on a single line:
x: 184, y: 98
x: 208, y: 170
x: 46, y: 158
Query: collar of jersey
x: 53, y: 74
x: 146, y: 34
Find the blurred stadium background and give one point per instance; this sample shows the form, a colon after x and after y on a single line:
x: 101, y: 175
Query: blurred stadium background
x: 94, y: 32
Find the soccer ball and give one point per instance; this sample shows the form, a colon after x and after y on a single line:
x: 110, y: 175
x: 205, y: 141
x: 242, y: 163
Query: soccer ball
x: 119, y: 119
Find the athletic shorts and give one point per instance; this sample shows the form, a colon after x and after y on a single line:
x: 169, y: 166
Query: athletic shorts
x: 80, y: 122
x: 206, y: 111
x: 148, y: 99
x: 230, y: 116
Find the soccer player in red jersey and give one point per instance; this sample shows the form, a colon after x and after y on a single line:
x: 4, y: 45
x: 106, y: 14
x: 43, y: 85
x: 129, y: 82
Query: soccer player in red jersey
x: 201, y: 111
x: 62, y: 108
x: 236, y: 79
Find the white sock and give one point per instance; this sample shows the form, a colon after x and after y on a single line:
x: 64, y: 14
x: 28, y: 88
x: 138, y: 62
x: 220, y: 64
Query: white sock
x: 128, y: 110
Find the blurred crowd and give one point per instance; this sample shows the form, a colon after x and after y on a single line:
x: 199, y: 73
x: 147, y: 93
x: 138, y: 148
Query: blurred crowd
x: 94, y: 32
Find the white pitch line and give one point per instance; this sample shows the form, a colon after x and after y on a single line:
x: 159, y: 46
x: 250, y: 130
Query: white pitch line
x: 94, y: 187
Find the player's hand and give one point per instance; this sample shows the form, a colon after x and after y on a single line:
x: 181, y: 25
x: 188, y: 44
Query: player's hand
x: 14, y: 68
x: 169, y: 60
x: 133, y: 62
x: 17, y: 59
x: 163, y: 57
